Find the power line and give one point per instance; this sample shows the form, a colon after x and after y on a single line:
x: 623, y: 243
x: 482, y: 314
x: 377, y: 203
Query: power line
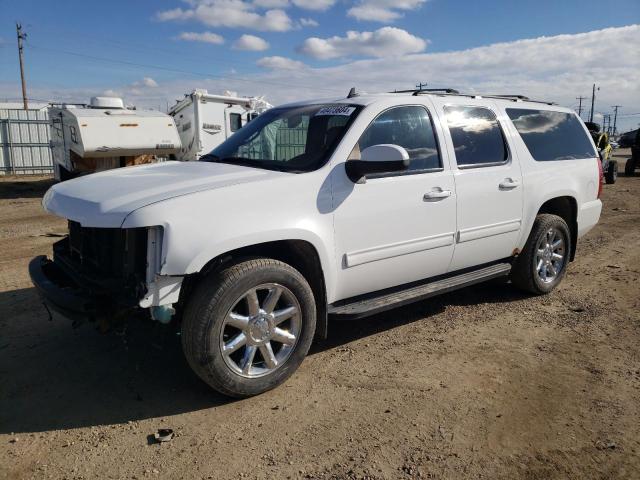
x: 176, y: 70
x: 74, y: 34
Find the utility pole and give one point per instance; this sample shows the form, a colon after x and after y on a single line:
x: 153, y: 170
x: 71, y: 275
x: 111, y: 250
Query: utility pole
x: 21, y: 37
x: 421, y: 85
x: 615, y: 117
x: 593, y: 101
x: 580, y: 105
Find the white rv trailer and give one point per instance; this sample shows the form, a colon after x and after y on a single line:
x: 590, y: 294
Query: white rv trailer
x: 205, y: 120
x: 105, y: 135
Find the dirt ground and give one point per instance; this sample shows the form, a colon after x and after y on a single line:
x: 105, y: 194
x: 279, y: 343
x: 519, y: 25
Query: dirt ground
x: 481, y: 383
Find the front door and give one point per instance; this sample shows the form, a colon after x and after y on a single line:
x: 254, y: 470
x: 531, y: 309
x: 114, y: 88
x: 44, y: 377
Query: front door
x: 395, y: 228
x: 488, y: 181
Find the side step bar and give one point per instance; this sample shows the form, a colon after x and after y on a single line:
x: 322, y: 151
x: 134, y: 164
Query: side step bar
x: 385, y: 300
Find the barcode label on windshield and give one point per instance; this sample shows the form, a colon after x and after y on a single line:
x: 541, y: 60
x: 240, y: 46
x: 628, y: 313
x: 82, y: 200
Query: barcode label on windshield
x: 336, y: 110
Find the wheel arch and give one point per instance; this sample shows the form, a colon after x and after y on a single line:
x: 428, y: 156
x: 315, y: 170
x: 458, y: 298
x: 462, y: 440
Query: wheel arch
x: 300, y: 254
x: 566, y: 207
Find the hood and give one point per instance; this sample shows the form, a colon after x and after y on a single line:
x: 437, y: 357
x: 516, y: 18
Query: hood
x: 105, y: 199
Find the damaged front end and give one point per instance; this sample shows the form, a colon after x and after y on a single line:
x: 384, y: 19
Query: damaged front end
x: 105, y: 274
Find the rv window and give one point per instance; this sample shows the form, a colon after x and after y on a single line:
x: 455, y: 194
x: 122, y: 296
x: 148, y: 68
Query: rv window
x: 235, y: 121
x: 296, y: 139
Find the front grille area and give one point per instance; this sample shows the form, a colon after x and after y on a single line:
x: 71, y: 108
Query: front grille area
x: 105, y: 260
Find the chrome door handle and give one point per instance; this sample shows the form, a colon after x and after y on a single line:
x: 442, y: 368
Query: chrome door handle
x: 436, y: 195
x: 509, y: 184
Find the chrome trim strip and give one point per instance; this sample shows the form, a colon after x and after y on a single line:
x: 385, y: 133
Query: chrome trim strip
x: 397, y: 249
x: 476, y: 233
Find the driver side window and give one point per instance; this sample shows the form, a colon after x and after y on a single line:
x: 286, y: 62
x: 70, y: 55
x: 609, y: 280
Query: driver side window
x: 409, y: 127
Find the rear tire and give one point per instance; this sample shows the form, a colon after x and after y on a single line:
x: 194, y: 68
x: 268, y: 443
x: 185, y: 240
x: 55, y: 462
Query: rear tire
x: 248, y: 327
x: 611, y: 175
x: 630, y: 168
x: 542, y: 264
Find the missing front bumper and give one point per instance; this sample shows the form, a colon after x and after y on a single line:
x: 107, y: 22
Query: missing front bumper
x: 67, y: 297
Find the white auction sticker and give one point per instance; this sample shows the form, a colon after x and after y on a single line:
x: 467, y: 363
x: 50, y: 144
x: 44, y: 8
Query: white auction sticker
x: 336, y: 110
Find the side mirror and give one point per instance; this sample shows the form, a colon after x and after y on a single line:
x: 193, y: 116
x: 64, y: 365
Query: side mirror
x: 383, y: 158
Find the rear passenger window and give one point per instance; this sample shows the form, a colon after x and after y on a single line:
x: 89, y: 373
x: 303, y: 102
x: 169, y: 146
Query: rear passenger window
x: 476, y: 135
x: 409, y: 127
x: 552, y: 135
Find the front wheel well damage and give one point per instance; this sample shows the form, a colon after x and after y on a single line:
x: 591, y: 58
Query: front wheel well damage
x: 300, y: 254
x: 567, y: 209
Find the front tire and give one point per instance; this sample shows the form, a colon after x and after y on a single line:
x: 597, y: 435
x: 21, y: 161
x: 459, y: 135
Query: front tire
x: 542, y: 264
x: 248, y: 327
x: 630, y: 168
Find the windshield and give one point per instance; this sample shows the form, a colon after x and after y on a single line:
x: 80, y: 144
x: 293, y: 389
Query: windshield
x: 293, y: 139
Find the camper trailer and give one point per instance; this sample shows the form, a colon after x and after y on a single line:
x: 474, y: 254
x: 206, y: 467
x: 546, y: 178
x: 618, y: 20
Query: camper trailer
x: 205, y: 120
x: 105, y: 135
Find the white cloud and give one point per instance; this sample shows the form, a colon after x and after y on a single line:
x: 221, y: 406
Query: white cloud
x: 280, y: 63
x: 250, y: 42
x: 319, y: 5
x: 271, y: 3
x: 382, y: 10
x: 149, y: 82
x: 231, y: 14
x: 206, y: 37
x: 111, y: 93
x: 308, y: 22
x: 384, y: 42
x: 174, y: 14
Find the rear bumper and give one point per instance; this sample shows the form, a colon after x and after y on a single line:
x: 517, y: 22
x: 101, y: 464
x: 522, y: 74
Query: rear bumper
x: 588, y: 216
x: 62, y: 294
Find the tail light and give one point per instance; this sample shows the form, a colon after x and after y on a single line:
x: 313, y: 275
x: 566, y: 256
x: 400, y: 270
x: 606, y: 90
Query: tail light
x: 600, y: 176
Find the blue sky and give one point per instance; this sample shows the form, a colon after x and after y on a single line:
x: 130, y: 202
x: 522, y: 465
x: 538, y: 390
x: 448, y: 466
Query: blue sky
x: 78, y: 48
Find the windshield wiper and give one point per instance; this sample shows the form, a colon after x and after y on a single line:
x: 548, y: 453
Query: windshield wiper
x: 209, y: 157
x: 252, y: 162
x: 248, y: 162
x: 244, y: 161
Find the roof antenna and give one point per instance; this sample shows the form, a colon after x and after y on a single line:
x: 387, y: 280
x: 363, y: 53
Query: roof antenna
x: 352, y: 93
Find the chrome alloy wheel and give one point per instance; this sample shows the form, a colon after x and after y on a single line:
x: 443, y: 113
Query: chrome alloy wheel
x: 550, y: 255
x: 260, y: 330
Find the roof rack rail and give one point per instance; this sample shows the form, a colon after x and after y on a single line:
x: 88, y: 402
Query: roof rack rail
x: 418, y: 91
x: 516, y: 98
x: 436, y: 90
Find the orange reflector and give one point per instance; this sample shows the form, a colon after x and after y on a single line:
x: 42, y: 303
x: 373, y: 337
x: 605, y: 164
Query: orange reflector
x: 128, y: 124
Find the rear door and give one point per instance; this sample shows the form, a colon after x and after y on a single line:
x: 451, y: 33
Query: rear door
x: 488, y: 181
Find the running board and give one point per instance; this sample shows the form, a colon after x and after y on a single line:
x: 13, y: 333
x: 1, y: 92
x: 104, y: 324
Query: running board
x: 363, y: 307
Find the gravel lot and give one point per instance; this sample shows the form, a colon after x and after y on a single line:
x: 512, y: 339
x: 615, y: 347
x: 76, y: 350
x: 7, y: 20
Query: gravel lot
x: 481, y: 383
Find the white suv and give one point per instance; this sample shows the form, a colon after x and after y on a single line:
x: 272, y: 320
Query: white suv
x: 345, y: 207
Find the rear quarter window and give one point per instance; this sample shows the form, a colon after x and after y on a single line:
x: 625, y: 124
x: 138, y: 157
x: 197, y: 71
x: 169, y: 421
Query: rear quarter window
x: 551, y: 135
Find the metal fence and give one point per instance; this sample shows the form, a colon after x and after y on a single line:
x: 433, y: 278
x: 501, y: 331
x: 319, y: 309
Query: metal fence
x: 24, y: 142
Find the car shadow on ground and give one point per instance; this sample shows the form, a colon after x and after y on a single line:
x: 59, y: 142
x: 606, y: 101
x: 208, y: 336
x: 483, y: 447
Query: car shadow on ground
x: 53, y: 376
x: 24, y: 188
